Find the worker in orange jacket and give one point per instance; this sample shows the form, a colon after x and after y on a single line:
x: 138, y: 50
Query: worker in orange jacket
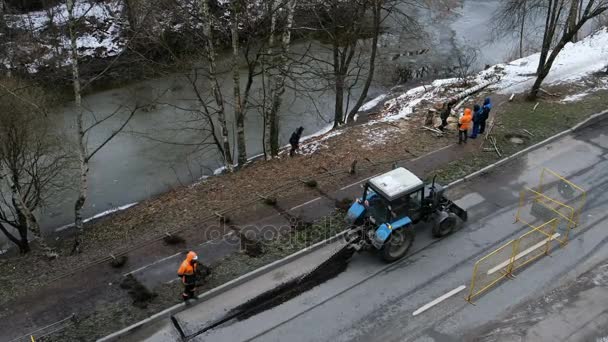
x: 187, y: 273
x: 463, y: 125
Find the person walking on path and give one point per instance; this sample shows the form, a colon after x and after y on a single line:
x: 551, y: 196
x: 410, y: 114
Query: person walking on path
x: 485, y: 114
x: 464, y: 123
x: 477, y: 118
x: 187, y: 273
x: 295, y: 140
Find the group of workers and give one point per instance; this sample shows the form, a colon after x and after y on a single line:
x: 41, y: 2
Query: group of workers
x: 474, y: 120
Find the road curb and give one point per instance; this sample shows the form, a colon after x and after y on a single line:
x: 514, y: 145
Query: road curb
x: 593, y: 119
x: 222, y: 288
x: 276, y: 264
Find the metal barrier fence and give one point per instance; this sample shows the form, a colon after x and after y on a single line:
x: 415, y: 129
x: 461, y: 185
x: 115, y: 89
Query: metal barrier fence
x: 536, y: 209
x: 492, y: 268
x: 534, y: 244
x: 551, y: 210
x: 515, y: 254
x: 562, y: 190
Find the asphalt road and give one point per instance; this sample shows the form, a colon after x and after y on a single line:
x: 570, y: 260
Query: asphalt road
x: 373, y: 301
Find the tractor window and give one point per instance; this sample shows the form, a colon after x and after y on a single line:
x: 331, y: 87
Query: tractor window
x: 407, y: 205
x: 415, y: 200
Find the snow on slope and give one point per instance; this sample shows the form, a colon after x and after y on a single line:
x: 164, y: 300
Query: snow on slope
x: 574, y: 62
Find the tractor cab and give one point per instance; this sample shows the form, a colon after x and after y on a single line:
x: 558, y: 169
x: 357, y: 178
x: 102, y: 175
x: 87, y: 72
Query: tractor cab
x: 393, y: 195
x: 391, y: 204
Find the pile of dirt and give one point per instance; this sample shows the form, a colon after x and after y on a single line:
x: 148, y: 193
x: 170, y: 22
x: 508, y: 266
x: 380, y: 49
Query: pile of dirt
x: 139, y: 293
x: 326, y: 271
x: 174, y: 239
x: 252, y: 248
x: 119, y: 261
x: 271, y: 201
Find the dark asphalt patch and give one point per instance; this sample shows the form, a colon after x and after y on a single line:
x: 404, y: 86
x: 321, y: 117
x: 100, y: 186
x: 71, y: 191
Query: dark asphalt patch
x: 329, y: 269
x: 289, y: 290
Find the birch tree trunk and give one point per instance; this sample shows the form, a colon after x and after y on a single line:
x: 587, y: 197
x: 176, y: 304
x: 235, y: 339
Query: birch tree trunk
x: 573, y: 18
x: 269, y: 82
x: 522, y: 29
x: 82, y: 144
x: 239, y: 110
x: 217, y: 93
x: 279, y: 79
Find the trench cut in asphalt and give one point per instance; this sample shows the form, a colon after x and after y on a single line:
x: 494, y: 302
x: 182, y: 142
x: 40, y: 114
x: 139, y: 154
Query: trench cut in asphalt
x: 329, y: 269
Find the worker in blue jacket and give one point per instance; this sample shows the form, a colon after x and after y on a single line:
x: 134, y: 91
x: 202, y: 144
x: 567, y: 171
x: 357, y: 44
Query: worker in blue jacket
x: 477, y: 117
x: 487, y: 107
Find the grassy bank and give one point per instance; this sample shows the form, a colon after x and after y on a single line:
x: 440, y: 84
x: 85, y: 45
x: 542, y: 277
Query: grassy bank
x: 514, y: 118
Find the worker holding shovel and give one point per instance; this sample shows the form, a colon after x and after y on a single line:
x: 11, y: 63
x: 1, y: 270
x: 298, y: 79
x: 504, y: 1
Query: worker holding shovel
x: 187, y: 273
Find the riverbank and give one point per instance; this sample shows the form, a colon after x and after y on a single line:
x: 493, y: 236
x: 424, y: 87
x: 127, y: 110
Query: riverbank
x: 200, y: 212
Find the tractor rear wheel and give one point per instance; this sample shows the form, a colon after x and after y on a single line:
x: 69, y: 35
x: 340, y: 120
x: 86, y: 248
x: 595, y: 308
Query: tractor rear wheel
x: 398, y: 244
x: 445, y: 226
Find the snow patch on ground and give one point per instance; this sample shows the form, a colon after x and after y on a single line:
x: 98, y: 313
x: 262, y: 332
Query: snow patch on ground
x: 376, y: 136
x: 313, y: 146
x: 574, y: 62
x: 575, y: 97
x: 373, y: 103
x: 102, y: 214
x: 578, y: 97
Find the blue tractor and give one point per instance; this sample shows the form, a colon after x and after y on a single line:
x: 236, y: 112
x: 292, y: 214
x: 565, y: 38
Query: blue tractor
x: 391, y: 204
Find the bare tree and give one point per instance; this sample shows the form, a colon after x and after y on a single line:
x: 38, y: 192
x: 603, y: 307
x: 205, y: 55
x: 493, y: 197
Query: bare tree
x: 344, y: 25
x: 82, y: 130
x: 512, y: 15
x: 208, y: 21
x: 560, y: 14
x: 276, y: 80
x: 466, y: 57
x: 33, y: 163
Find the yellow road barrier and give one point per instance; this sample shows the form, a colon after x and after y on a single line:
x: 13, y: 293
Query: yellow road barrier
x: 491, y: 269
x: 515, y: 254
x: 536, y: 209
x: 534, y: 244
x: 562, y: 190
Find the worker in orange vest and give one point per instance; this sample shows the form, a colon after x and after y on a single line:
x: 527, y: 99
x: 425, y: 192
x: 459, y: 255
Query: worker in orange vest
x: 463, y: 126
x: 187, y: 272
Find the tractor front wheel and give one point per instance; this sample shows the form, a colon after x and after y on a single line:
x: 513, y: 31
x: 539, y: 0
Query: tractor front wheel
x: 398, y: 244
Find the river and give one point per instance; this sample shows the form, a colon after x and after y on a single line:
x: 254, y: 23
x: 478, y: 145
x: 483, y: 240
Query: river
x: 132, y: 168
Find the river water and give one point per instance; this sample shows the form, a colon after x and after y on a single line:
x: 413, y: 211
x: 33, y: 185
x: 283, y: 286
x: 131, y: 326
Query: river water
x: 133, y: 168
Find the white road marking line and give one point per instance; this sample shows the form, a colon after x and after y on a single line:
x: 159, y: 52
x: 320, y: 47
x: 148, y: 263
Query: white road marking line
x: 432, y: 152
x: 358, y: 182
x: 413, y: 160
x: 524, y: 253
x: 152, y: 264
x: 439, y: 300
x: 172, y: 256
x: 303, y: 204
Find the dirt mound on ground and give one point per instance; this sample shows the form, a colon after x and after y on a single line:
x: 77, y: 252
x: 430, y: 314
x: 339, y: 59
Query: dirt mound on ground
x: 139, y: 293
